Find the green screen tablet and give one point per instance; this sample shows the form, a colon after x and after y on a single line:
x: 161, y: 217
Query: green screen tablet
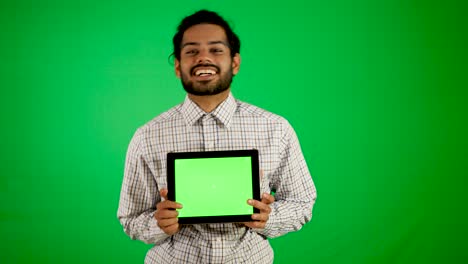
x: 213, y: 186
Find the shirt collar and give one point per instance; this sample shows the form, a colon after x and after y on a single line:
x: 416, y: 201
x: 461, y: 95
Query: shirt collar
x: 224, y: 112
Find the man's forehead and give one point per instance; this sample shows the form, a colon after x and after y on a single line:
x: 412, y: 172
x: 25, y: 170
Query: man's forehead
x: 204, y: 34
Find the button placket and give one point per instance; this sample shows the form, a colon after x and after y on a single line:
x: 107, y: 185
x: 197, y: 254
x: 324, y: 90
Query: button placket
x: 209, y: 133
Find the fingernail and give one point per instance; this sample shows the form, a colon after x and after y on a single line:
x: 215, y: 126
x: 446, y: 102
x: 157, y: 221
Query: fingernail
x: 250, y: 201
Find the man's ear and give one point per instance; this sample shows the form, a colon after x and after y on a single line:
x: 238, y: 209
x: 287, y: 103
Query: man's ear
x: 177, y: 67
x: 236, y: 60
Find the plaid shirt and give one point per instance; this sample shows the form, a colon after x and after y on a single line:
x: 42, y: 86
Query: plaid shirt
x: 232, y: 125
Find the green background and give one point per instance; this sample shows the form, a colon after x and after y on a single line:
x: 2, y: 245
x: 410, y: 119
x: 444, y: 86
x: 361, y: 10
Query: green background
x: 376, y: 91
x: 231, y: 190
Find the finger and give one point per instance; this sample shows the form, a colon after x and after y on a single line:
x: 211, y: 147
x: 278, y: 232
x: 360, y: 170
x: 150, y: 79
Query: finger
x: 163, y: 223
x: 172, y: 229
x: 267, y: 198
x: 260, y: 217
x: 255, y: 224
x: 164, y: 214
x: 261, y: 174
x: 259, y: 205
x: 163, y: 193
x: 168, y: 205
x: 248, y: 224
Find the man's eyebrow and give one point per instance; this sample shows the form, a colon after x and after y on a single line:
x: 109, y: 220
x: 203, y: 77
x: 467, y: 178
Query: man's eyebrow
x: 209, y: 43
x: 218, y: 42
x: 190, y: 43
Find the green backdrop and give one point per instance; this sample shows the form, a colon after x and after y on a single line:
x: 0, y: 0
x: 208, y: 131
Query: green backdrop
x: 376, y: 91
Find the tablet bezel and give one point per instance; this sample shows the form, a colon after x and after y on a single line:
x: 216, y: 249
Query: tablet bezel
x: 172, y: 195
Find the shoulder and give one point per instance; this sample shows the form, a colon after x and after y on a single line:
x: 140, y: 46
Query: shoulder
x: 155, y: 124
x: 260, y: 115
x: 273, y: 123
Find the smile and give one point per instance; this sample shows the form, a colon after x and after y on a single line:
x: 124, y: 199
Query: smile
x: 204, y: 72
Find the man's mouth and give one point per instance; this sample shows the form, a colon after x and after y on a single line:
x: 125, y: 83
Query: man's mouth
x: 204, y: 72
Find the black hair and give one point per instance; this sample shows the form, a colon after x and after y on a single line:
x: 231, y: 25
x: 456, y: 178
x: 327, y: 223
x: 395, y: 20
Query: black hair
x: 205, y: 17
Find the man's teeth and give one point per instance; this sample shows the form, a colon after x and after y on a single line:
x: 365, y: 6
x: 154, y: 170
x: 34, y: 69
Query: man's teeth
x: 204, y: 72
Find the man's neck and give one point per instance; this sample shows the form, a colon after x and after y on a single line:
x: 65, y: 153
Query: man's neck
x: 209, y: 102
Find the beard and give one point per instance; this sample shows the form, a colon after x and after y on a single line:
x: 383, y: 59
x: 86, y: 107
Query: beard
x: 211, y: 87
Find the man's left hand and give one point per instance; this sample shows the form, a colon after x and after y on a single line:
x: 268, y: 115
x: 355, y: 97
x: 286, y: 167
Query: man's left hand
x: 260, y: 220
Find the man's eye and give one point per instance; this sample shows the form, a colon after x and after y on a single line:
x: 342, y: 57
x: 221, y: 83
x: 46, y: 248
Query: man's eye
x: 189, y: 52
x: 217, y: 50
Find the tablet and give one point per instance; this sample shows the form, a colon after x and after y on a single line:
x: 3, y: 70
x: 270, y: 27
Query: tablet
x: 213, y: 186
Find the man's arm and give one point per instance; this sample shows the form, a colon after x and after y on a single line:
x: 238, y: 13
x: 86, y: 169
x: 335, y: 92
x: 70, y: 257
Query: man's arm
x: 139, y: 196
x: 295, y: 191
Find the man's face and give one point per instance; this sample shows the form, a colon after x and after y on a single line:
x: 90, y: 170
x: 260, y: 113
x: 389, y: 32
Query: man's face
x: 206, y: 66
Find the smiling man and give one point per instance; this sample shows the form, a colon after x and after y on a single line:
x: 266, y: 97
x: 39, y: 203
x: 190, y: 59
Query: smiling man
x: 207, y: 57
x: 205, y: 64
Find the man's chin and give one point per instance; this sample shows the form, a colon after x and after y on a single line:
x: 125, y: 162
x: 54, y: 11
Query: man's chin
x: 206, y: 87
x: 204, y: 91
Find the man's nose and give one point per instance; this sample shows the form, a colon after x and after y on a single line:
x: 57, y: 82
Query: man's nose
x: 204, y: 57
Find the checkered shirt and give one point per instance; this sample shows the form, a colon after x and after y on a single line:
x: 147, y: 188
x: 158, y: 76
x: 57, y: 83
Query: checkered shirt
x: 233, y: 125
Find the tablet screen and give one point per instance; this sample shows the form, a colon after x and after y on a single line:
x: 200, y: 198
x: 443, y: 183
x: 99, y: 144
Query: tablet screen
x: 213, y: 186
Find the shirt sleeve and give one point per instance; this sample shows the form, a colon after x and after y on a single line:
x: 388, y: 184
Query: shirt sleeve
x: 139, y: 196
x: 295, y: 192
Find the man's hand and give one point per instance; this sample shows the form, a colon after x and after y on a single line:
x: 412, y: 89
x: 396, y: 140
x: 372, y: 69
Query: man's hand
x: 166, y: 215
x: 265, y: 210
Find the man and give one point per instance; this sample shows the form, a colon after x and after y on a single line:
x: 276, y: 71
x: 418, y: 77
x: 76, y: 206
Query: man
x: 207, y: 56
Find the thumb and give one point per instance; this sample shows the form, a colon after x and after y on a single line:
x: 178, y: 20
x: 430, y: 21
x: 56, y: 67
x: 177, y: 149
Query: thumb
x: 163, y: 193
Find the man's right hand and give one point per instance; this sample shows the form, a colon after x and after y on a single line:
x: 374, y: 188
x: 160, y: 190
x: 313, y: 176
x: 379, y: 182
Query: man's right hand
x: 166, y: 215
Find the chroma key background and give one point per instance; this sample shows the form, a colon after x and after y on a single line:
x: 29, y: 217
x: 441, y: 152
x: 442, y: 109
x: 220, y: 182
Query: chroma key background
x: 376, y: 91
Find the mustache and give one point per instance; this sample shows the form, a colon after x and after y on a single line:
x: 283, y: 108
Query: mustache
x: 205, y: 65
